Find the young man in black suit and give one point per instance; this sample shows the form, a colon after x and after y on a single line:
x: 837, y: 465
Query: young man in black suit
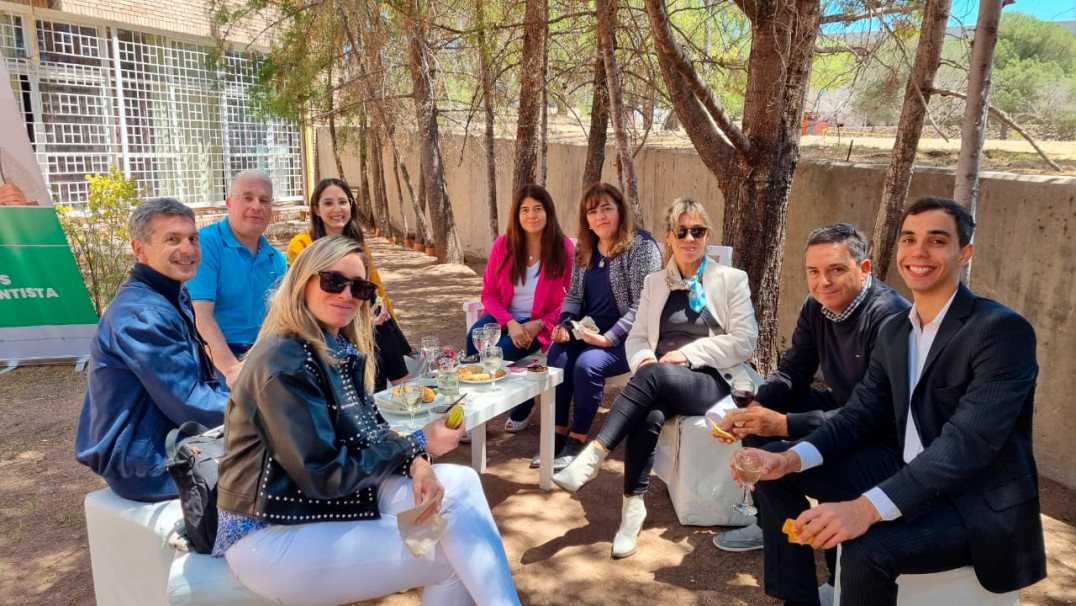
x: 929, y: 466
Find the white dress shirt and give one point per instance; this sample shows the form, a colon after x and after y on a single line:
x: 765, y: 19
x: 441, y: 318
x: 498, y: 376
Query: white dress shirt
x: 920, y: 340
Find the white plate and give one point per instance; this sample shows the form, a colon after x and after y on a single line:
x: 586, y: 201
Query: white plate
x: 383, y: 399
x: 487, y: 381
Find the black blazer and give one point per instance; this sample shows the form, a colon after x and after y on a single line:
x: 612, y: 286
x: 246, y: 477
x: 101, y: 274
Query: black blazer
x: 973, y: 406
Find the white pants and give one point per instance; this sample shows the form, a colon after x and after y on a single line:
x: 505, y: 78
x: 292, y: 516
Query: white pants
x: 339, y: 562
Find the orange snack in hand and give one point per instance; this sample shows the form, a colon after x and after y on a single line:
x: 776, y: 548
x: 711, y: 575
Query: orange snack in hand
x: 793, y: 536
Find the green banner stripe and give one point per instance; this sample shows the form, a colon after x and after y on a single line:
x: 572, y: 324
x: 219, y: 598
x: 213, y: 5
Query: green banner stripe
x: 27, y: 225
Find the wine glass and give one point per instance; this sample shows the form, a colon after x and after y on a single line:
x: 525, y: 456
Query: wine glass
x: 743, y: 392
x: 492, y: 358
x: 478, y: 337
x: 430, y: 345
x: 748, y: 464
x: 493, y: 333
x: 412, y: 397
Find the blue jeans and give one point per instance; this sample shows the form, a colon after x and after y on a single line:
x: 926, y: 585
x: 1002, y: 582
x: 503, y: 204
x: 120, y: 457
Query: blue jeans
x: 511, y: 353
x: 585, y: 369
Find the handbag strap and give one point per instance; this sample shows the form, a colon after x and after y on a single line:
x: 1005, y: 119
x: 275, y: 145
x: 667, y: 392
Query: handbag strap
x: 712, y: 322
x: 190, y: 428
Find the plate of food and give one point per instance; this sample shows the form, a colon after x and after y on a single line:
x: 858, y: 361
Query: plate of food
x: 390, y: 401
x: 477, y: 374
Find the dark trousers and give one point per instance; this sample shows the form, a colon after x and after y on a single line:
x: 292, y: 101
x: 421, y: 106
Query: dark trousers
x: 657, y: 393
x: 931, y: 542
x: 511, y: 354
x: 585, y: 370
x: 391, y: 347
x: 816, y: 398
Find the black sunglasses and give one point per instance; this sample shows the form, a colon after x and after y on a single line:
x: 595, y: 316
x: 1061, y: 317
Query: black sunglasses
x: 335, y: 283
x: 698, y: 232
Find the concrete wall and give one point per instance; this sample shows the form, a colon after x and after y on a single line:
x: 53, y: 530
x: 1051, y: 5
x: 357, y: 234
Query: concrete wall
x: 1023, y: 258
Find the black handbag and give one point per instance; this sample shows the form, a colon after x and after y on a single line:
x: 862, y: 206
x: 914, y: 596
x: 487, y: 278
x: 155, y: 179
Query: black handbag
x: 192, y: 463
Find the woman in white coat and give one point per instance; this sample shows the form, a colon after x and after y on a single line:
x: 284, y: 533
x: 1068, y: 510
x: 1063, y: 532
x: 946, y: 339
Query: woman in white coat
x: 694, y: 330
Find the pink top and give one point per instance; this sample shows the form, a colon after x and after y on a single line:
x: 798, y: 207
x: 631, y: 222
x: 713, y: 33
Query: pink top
x: 497, y: 290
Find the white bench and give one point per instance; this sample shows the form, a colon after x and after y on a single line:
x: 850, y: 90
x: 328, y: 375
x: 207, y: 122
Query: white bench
x: 134, y: 564
x: 957, y: 586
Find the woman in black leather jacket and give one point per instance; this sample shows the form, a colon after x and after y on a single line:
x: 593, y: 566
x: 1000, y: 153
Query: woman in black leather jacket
x: 313, y: 478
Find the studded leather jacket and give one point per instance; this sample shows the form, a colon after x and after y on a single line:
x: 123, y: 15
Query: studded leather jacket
x: 304, y: 442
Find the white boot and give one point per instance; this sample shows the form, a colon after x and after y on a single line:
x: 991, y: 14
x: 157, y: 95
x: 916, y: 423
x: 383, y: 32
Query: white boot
x: 583, y: 469
x: 631, y: 524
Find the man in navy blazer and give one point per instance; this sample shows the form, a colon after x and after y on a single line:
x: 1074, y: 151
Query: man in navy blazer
x: 929, y: 466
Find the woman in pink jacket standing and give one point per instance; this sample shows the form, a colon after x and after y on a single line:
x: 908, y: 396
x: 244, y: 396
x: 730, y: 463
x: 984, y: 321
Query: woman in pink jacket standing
x: 526, y: 277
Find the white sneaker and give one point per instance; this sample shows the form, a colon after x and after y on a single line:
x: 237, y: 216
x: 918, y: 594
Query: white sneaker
x: 748, y: 538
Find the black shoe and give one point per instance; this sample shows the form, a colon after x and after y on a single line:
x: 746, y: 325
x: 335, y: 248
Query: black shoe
x: 558, y: 443
x: 572, y: 447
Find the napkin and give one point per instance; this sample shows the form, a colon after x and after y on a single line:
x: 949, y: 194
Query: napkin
x: 419, y: 538
x: 717, y: 411
x: 577, y: 326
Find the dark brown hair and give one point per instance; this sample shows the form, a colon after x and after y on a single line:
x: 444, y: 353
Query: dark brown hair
x: 625, y: 233
x: 317, y: 226
x: 965, y: 223
x: 554, y: 258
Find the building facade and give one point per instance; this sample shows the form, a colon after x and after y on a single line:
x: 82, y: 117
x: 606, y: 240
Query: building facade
x: 142, y: 85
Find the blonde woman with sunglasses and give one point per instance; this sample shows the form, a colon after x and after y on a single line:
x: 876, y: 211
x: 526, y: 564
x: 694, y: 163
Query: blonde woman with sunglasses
x: 314, y: 479
x: 692, y: 335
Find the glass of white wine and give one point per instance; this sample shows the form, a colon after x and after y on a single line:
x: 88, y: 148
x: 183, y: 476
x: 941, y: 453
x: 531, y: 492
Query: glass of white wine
x: 493, y: 358
x: 748, y: 464
x: 412, y: 397
x: 430, y: 346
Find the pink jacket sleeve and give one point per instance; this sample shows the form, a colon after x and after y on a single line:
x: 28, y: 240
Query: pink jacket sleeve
x: 492, y: 291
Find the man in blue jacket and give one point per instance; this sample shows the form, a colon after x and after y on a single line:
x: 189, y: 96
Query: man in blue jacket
x: 149, y: 371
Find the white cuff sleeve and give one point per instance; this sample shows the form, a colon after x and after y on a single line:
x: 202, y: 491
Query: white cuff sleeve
x: 809, y: 455
x: 886, y: 508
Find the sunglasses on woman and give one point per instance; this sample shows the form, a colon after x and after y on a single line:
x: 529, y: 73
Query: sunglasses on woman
x: 334, y: 283
x: 698, y: 232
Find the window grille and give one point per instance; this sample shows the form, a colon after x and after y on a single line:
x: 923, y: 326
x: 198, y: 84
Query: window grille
x: 156, y: 107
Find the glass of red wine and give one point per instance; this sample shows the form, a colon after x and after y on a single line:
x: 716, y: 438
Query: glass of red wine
x: 743, y: 392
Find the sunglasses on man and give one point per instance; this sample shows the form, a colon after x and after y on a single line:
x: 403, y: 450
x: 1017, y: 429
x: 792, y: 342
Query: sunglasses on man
x: 334, y: 283
x: 698, y: 232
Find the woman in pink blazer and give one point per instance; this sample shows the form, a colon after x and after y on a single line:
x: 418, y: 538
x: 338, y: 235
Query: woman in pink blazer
x: 526, y: 277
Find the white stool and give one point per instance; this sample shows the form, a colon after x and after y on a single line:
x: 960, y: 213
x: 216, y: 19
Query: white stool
x: 695, y: 467
x: 133, y: 563
x: 957, y: 586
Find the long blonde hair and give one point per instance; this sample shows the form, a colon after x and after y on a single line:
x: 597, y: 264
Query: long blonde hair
x: 288, y: 314
x: 680, y: 207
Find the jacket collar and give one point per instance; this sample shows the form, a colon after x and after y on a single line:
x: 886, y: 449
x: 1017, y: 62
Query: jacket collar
x: 169, y: 288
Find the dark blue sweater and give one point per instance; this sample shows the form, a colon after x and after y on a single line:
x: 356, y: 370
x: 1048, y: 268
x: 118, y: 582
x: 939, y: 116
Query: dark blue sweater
x: 841, y: 349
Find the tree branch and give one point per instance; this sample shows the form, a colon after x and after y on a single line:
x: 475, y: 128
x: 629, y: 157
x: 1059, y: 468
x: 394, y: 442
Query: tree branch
x: 871, y: 13
x: 1005, y: 119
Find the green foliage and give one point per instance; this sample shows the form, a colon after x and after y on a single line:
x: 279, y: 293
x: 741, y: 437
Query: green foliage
x: 98, y: 236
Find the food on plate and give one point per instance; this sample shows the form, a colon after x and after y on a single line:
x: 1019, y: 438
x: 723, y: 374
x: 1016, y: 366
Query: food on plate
x: 793, y: 536
x: 428, y: 394
x: 538, y: 369
x: 473, y: 372
x: 588, y: 324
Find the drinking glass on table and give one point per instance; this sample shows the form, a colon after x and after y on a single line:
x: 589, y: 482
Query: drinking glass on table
x: 748, y: 465
x: 493, y: 358
x: 493, y: 333
x: 430, y: 347
x: 478, y: 337
x: 412, y: 397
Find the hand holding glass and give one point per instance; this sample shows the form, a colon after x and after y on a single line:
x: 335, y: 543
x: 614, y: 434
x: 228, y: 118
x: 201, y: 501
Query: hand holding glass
x: 748, y: 465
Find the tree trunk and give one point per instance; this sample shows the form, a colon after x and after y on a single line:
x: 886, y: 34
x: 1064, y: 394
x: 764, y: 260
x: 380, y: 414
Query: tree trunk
x: 445, y: 237
x: 487, y: 99
x: 606, y: 13
x: 399, y: 189
x: 381, y: 204
x: 422, y: 231
x: 332, y: 131
x: 532, y: 82
x: 898, y: 177
x: 973, y: 131
x: 544, y: 145
x: 363, y: 203
x: 599, y: 126
x: 753, y: 166
x: 423, y: 208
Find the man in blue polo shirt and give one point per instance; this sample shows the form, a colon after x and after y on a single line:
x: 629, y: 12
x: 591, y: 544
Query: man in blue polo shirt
x: 239, y: 268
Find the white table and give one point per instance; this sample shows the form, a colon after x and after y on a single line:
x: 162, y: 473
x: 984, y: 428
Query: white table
x: 482, y: 405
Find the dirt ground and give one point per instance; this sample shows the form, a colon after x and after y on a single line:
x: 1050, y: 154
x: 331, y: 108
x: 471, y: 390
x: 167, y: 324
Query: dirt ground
x: 557, y: 543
